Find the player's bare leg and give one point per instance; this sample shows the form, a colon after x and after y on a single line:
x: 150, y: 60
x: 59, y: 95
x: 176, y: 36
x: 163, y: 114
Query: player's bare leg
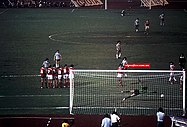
x: 57, y: 63
x: 42, y: 83
x: 46, y: 82
x: 49, y: 83
x: 56, y: 83
x: 59, y: 83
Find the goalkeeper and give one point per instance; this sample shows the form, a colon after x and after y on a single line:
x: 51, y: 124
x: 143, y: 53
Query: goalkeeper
x: 136, y: 92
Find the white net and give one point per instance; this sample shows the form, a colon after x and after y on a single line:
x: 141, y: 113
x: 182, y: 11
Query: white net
x: 150, y: 3
x: 136, y: 93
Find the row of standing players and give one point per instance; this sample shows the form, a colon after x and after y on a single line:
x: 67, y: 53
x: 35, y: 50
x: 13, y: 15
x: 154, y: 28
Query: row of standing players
x: 55, y: 76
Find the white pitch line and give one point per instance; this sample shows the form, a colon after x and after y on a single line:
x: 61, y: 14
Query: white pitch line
x: 31, y: 117
x: 34, y: 108
x: 3, y: 11
x: 18, y: 76
x: 9, y: 96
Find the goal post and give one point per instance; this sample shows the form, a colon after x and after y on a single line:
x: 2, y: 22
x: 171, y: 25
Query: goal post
x: 138, y: 92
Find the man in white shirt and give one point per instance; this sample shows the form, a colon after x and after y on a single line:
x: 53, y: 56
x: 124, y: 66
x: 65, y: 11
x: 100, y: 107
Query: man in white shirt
x: 115, y: 120
x: 160, y: 117
x: 106, y: 122
x: 57, y: 58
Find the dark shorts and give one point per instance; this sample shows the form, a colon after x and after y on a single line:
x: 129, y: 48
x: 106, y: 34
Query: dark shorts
x: 114, y: 124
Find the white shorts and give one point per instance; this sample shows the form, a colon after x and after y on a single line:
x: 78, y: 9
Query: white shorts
x: 172, y: 74
x: 119, y: 75
x: 50, y: 77
x: 66, y: 76
x: 59, y: 76
x: 146, y: 27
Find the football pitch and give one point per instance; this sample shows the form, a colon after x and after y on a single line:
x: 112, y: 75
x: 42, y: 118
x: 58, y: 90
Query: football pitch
x: 86, y: 38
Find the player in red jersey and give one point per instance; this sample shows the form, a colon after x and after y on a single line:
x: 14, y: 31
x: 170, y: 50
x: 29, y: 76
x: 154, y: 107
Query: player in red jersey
x: 172, y: 78
x: 147, y: 26
x: 120, y: 74
x: 118, y: 49
x: 43, y: 76
x: 60, y: 74
x: 55, y: 77
x: 66, y: 75
x: 50, y: 77
x: 124, y: 63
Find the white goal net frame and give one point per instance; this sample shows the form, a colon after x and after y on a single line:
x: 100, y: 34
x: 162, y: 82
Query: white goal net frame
x: 87, y: 88
x: 150, y: 3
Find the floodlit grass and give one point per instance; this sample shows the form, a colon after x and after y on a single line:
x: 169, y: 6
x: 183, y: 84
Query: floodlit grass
x: 85, y: 38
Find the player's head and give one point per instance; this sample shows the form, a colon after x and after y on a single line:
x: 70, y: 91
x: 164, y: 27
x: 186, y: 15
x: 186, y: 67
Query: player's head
x: 125, y: 58
x: 72, y: 65
x: 119, y: 42
x: 57, y: 50
x: 160, y: 109
x: 65, y: 65
x: 46, y: 59
x: 171, y: 63
x: 114, y: 112
x: 107, y: 115
x: 182, y: 54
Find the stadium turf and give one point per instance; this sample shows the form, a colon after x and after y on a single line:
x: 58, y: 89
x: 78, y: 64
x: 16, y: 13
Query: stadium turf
x: 86, y: 38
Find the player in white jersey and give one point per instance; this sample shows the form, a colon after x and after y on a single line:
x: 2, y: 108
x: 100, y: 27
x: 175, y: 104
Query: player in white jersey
x: 161, y: 17
x: 172, y: 78
x: 136, y: 24
x: 118, y: 49
x: 46, y: 63
x: 57, y: 58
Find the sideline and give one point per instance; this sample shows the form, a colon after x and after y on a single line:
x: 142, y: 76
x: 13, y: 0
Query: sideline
x: 3, y: 11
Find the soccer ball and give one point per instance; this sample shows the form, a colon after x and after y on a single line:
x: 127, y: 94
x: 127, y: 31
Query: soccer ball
x: 162, y: 95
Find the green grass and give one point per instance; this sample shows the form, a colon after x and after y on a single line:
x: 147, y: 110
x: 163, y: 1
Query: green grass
x: 85, y: 38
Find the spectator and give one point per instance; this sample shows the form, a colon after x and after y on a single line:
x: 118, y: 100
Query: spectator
x: 160, y: 117
x: 106, y: 122
x: 115, y: 120
x: 65, y: 123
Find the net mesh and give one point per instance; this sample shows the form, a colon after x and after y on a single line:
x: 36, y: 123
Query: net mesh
x: 149, y: 3
x: 136, y: 93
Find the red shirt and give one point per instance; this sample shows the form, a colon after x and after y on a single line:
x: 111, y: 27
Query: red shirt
x: 66, y: 70
x: 60, y: 71
x: 42, y: 72
x: 55, y: 73
x: 50, y: 71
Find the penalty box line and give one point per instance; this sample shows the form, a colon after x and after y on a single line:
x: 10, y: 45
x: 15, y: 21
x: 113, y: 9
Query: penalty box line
x: 18, y: 76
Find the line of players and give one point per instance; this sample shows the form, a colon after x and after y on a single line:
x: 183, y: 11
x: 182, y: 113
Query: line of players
x: 55, y: 77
